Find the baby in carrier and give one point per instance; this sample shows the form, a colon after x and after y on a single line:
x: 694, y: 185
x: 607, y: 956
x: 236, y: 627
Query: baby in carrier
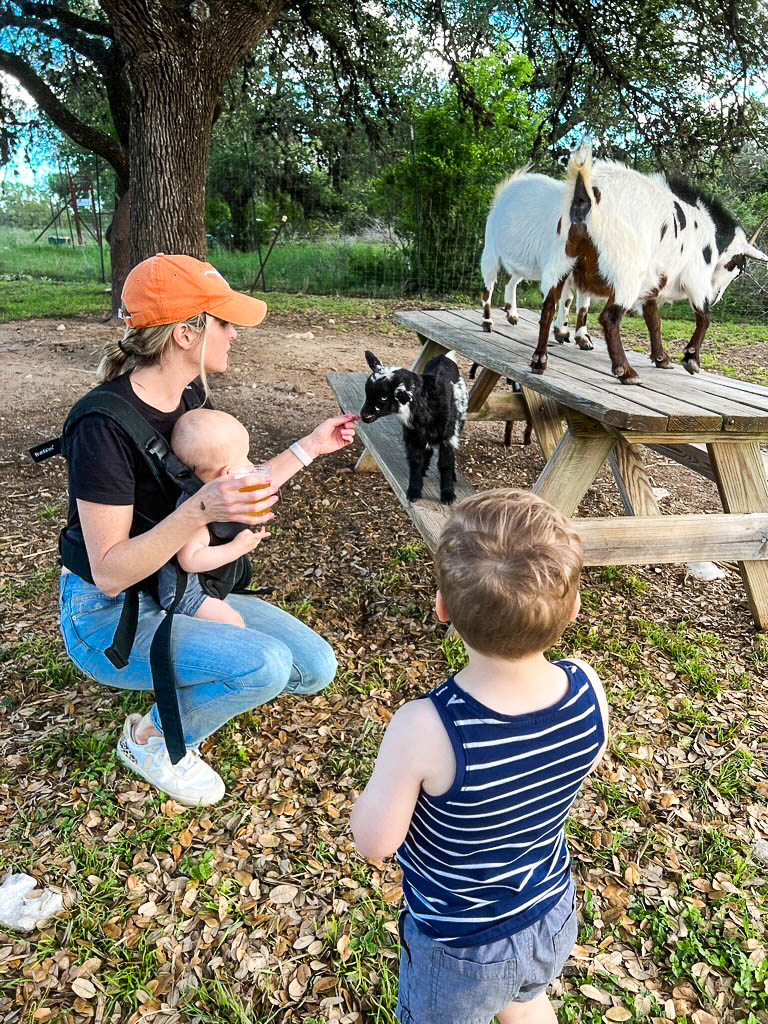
x: 211, y: 443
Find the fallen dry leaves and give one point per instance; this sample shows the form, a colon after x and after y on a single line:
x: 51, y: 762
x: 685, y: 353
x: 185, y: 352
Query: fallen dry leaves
x: 260, y: 906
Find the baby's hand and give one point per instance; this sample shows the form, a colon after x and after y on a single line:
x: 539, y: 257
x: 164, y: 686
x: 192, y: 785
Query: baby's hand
x: 247, y: 540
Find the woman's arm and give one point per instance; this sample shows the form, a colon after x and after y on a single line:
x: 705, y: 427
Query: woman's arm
x: 118, y: 561
x: 329, y: 436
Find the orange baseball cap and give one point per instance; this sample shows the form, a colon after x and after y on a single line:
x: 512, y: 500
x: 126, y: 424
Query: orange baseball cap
x: 168, y: 289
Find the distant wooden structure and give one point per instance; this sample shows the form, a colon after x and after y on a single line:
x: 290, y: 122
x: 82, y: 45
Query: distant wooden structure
x: 584, y: 417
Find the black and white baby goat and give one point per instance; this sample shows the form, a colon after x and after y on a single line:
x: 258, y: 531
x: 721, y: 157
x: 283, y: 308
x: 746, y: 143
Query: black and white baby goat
x: 432, y: 407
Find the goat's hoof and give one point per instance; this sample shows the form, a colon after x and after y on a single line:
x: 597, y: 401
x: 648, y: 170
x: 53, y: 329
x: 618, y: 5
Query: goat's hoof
x: 585, y: 343
x: 626, y: 374
x: 487, y: 326
x: 447, y: 499
x: 663, y: 364
x: 691, y: 365
x: 539, y: 364
x: 413, y: 495
x: 562, y: 337
x: 511, y: 319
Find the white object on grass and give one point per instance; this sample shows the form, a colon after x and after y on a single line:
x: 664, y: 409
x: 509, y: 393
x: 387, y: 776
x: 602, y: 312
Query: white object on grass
x: 24, y: 913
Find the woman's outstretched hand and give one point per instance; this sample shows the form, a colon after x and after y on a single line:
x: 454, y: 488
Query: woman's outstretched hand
x: 226, y: 499
x: 332, y: 434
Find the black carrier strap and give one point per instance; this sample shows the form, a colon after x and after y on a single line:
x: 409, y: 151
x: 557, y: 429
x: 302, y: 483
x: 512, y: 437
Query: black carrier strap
x: 171, y: 476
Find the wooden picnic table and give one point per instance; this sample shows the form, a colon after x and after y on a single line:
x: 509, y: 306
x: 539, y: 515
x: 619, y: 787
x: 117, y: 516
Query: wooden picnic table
x: 709, y: 423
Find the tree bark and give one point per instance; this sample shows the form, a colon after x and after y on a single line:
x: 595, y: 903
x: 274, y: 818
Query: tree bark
x: 119, y: 238
x: 178, y: 58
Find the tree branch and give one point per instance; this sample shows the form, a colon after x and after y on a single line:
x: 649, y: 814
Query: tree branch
x: 94, y: 49
x: 81, y: 133
x: 65, y: 16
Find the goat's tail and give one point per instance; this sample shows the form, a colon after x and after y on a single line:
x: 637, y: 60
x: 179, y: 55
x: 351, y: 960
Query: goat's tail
x: 579, y: 197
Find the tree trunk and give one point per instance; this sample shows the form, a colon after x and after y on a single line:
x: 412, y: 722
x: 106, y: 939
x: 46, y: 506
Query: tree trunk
x: 178, y: 58
x: 119, y: 238
x: 171, y: 121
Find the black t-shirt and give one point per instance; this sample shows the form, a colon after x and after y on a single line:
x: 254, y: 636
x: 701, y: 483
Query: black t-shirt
x: 104, y: 465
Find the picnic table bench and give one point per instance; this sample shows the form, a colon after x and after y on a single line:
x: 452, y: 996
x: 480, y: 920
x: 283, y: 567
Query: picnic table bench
x: 711, y: 424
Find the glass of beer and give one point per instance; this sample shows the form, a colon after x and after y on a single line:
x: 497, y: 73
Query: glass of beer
x: 264, y: 472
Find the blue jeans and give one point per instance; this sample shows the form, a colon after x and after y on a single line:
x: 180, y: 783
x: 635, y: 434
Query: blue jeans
x: 221, y: 670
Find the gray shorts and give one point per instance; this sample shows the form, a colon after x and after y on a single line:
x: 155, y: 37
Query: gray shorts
x: 442, y: 984
x: 194, y: 595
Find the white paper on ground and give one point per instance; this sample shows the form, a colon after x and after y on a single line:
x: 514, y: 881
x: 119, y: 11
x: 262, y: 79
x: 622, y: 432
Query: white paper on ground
x: 19, y: 911
x: 706, y: 571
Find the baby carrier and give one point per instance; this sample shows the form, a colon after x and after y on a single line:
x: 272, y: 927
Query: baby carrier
x: 171, y: 475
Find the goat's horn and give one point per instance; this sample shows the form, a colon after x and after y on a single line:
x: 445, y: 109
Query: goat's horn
x: 757, y: 230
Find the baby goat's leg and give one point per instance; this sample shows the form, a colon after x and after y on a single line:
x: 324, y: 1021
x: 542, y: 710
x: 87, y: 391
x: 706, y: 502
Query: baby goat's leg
x: 446, y: 463
x: 419, y: 458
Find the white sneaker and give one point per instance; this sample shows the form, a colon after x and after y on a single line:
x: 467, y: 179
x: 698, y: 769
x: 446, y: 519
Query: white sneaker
x: 190, y: 782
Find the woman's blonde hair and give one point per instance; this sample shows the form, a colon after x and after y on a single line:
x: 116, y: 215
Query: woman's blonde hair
x: 145, y: 346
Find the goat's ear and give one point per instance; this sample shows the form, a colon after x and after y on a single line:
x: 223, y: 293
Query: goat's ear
x: 372, y: 361
x: 402, y: 394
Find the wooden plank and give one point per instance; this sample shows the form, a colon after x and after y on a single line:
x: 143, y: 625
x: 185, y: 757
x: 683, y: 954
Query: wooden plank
x: 429, y: 350
x: 593, y: 368
x: 690, y: 405
x: 546, y: 417
x: 384, y: 440
x: 617, y: 409
x: 710, y: 392
x: 567, y: 476
x: 632, y: 480
x: 484, y: 384
x: 740, y: 478
x: 501, y: 408
x: 625, y: 540
x: 693, y: 456
x: 704, y: 436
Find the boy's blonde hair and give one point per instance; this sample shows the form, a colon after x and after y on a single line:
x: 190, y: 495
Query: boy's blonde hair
x: 508, y: 567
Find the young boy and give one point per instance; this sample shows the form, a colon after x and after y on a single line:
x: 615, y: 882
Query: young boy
x: 211, y: 443
x: 473, y: 782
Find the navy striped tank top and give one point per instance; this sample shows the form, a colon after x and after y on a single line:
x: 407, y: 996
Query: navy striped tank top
x: 488, y: 857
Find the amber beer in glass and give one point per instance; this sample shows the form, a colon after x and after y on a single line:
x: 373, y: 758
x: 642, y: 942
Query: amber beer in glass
x: 265, y: 473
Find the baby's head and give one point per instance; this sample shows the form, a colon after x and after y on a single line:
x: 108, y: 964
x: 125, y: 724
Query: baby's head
x: 508, y: 567
x: 209, y: 441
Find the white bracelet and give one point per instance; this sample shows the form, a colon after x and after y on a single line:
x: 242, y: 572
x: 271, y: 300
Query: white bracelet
x: 300, y: 454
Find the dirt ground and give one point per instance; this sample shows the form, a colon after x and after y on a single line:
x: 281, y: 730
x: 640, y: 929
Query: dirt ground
x: 665, y: 838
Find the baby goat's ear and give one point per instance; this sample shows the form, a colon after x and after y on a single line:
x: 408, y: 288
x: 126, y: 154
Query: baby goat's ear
x: 373, y: 362
x: 402, y: 394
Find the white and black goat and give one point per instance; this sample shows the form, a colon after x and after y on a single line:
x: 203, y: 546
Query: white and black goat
x: 638, y: 240
x: 519, y: 233
x: 432, y: 407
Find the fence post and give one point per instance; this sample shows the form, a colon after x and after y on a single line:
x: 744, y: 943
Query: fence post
x: 417, y: 210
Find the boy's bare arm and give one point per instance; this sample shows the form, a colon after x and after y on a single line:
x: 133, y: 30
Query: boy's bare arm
x: 413, y: 747
x: 602, y: 700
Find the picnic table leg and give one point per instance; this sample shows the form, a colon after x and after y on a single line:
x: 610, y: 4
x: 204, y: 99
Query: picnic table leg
x: 366, y: 463
x: 484, y: 384
x: 546, y: 418
x: 573, y: 466
x: 632, y: 480
x: 740, y: 478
